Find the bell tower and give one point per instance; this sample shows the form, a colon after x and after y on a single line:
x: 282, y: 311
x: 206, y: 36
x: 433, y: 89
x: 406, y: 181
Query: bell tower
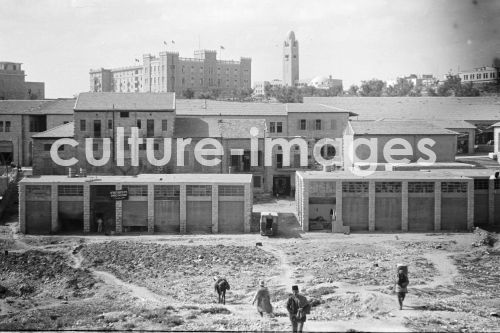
x: 290, y: 60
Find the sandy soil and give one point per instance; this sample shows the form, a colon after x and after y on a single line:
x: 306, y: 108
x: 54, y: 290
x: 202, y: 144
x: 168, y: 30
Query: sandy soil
x: 165, y: 282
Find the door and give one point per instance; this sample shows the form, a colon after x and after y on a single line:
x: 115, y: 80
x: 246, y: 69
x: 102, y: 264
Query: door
x: 97, y: 128
x: 150, y: 128
x: 231, y: 217
x: 281, y: 185
x: 38, y: 217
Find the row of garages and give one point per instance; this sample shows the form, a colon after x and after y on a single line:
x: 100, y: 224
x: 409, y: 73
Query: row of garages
x: 412, y: 201
x: 146, y: 203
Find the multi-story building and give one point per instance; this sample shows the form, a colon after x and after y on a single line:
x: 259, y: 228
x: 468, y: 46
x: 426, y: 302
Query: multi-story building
x: 481, y: 75
x: 20, y: 120
x: 14, y: 86
x: 160, y: 116
x: 170, y: 73
x: 259, y: 88
x: 290, y: 60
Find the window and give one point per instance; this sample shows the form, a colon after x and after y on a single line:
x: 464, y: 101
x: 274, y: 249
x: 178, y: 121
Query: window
x: 257, y: 181
x: 124, y: 114
x: 136, y: 190
x: 1, y: 126
x: 138, y: 123
x: 420, y: 187
x: 110, y: 124
x: 272, y: 127
x: 46, y: 146
x: 279, y: 127
x: 150, y: 128
x: 156, y: 146
x: 167, y: 192
x: 199, y: 190
x: 70, y: 190
x: 37, y: 123
x: 481, y: 184
x: 186, y: 157
x: 164, y: 125
x: 388, y: 187
x: 65, y: 122
x: 318, y: 124
x: 302, y: 124
x: 97, y: 128
x: 454, y: 187
x: 7, y: 126
x: 231, y: 190
x: 279, y: 161
x: 355, y: 187
x: 95, y: 147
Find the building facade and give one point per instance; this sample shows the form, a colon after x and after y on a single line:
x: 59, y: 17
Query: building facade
x: 149, y: 203
x: 290, y: 60
x: 480, y: 75
x: 170, y: 73
x: 402, y: 201
x: 14, y: 86
x: 20, y: 120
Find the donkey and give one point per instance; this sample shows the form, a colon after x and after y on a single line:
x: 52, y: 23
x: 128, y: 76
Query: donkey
x: 221, y: 285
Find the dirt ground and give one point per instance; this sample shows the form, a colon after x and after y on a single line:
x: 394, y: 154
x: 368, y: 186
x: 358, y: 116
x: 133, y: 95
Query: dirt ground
x: 165, y: 282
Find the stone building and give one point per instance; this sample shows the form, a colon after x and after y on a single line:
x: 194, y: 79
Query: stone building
x: 20, y: 120
x: 180, y: 203
x: 290, y: 60
x: 451, y: 200
x: 14, y: 86
x: 170, y: 73
x: 481, y: 75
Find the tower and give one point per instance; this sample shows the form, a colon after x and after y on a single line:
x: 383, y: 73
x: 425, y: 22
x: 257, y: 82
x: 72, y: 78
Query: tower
x: 290, y: 60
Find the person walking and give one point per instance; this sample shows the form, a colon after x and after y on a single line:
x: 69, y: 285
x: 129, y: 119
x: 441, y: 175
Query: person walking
x: 401, y: 287
x: 263, y: 300
x: 298, y: 307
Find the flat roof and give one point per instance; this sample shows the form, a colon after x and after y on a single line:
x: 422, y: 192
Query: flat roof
x: 144, y: 178
x: 103, y: 101
x: 423, y: 108
x: 448, y: 174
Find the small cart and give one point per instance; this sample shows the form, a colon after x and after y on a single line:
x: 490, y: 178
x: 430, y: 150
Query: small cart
x: 269, y: 223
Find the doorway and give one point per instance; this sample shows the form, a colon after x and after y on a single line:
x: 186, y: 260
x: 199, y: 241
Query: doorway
x: 281, y: 185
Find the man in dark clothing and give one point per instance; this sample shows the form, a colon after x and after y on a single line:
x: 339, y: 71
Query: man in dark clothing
x: 297, y: 307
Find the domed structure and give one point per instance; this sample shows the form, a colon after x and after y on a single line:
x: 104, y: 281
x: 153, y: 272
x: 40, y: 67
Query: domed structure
x: 319, y: 81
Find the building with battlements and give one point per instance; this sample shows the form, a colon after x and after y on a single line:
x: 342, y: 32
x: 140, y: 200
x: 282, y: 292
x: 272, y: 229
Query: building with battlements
x: 170, y: 73
x: 14, y: 86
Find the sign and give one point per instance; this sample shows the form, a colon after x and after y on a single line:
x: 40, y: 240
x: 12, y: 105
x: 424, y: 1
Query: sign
x: 119, y: 195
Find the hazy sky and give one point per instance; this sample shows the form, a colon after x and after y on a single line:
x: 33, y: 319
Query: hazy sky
x: 60, y: 40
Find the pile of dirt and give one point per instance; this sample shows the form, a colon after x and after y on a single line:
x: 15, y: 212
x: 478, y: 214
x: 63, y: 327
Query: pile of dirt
x: 484, y: 238
x: 36, y: 272
x: 183, y: 272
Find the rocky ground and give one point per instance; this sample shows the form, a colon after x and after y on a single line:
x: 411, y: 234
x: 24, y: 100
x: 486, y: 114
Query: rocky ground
x: 165, y: 282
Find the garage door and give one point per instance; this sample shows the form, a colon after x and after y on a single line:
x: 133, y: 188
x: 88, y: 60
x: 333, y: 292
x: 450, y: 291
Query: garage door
x: 199, y: 216
x: 38, y: 217
x: 453, y: 213
x: 231, y: 216
x: 135, y: 213
x: 387, y: 214
x: 420, y: 214
x: 167, y: 217
x: 481, y: 211
x: 71, y: 216
x: 355, y: 213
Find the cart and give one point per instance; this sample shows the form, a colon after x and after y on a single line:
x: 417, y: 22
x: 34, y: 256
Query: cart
x: 269, y: 223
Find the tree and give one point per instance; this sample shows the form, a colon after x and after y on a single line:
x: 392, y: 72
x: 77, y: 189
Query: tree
x: 402, y: 87
x: 372, y: 88
x: 353, y: 90
x: 188, y: 93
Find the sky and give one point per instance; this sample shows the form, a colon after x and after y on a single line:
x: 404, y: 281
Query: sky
x: 59, y: 41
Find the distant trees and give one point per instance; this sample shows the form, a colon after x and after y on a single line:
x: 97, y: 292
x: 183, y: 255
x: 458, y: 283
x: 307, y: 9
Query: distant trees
x: 353, y: 90
x: 452, y: 86
x: 372, y: 88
